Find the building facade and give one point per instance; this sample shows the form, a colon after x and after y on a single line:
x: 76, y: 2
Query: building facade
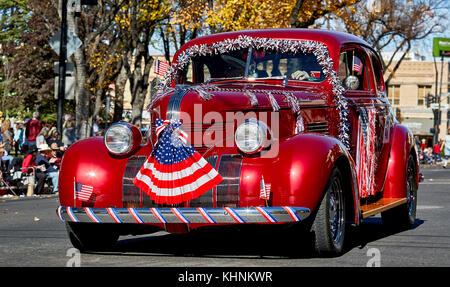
x: 412, y: 93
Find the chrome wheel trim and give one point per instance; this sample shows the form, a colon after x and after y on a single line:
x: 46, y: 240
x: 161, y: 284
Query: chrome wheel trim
x: 336, y: 211
x: 410, y: 194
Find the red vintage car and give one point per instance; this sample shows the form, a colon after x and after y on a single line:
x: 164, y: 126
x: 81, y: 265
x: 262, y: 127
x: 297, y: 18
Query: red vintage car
x: 280, y: 127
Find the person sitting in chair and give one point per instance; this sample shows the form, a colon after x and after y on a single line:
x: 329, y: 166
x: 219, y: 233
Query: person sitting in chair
x: 29, y: 167
x: 47, y: 162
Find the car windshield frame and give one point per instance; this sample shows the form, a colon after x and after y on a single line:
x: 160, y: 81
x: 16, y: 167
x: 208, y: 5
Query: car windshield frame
x: 248, y: 73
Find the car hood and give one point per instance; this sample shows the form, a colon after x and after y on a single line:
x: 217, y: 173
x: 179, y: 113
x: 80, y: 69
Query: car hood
x: 203, y: 99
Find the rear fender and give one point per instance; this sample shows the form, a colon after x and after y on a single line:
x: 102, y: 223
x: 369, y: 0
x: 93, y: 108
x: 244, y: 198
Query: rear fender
x: 402, y: 147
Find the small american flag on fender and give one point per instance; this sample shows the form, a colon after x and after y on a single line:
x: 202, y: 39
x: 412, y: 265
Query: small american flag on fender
x: 83, y: 192
x: 264, y: 191
x: 175, y: 172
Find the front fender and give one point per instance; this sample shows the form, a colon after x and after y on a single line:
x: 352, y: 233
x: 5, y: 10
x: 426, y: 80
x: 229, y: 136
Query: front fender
x: 88, y: 162
x: 301, y: 171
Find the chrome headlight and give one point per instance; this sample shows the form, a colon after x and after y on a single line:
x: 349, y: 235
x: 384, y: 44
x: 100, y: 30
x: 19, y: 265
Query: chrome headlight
x: 250, y: 136
x: 119, y: 139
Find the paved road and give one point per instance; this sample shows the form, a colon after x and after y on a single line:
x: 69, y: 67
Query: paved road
x: 31, y: 235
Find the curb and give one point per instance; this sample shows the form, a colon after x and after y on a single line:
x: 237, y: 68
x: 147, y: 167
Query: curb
x: 9, y: 197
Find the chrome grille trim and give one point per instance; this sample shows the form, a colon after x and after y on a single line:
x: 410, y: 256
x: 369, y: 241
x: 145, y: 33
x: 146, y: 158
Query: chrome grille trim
x: 318, y: 127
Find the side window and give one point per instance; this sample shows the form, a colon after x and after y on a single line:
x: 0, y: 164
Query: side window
x: 186, y: 76
x: 195, y: 73
x: 353, y: 62
x: 205, y: 72
x: 378, y: 72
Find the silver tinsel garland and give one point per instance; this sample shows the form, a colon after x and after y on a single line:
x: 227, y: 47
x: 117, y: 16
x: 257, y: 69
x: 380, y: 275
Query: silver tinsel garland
x: 283, y: 46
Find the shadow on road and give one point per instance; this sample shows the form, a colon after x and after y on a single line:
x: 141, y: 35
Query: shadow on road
x: 372, y: 230
x: 248, y: 243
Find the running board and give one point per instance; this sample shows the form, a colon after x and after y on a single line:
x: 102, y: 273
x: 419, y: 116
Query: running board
x: 380, y: 206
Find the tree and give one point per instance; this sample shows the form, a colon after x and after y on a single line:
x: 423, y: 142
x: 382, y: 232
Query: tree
x: 14, y: 16
x: 306, y: 12
x: 261, y: 14
x: 138, y: 21
x: 27, y: 58
x: 95, y: 27
x: 185, y: 21
x: 397, y: 24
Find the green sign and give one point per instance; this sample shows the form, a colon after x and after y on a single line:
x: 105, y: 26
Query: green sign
x: 441, y: 47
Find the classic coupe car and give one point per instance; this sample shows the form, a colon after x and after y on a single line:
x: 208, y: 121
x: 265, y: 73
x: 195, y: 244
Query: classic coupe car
x: 281, y: 126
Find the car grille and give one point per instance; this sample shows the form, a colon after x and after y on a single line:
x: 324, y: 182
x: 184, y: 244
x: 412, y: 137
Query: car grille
x: 225, y: 194
x: 318, y: 127
x: 132, y: 196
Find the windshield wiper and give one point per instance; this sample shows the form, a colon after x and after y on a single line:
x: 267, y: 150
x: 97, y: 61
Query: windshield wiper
x: 214, y: 80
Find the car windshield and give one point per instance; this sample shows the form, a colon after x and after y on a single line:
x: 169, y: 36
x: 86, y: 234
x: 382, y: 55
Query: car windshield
x: 262, y: 64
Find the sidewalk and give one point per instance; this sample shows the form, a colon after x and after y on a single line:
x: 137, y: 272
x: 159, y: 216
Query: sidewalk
x: 6, y: 194
x: 8, y: 197
x: 435, y: 165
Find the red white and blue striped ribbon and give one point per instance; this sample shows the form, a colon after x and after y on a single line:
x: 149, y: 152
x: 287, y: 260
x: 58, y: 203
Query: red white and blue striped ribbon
x: 135, y: 215
x: 265, y: 214
x: 291, y: 213
x: 92, y: 215
x: 234, y: 215
x: 206, y: 215
x: 71, y: 214
x: 158, y: 215
x: 60, y: 213
x: 114, y: 215
x: 179, y: 215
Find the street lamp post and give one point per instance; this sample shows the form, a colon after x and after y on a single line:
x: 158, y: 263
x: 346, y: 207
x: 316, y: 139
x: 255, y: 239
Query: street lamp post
x: 62, y: 65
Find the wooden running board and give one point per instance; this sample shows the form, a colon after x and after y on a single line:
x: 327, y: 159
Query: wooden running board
x: 380, y: 206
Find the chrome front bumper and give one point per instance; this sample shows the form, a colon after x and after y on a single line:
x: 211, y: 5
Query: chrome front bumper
x: 225, y: 215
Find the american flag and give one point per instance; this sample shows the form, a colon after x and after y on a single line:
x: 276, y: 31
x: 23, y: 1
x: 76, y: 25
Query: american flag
x: 365, y: 162
x: 357, y: 65
x: 83, y: 192
x: 175, y: 172
x: 161, y: 67
x: 315, y: 74
x: 264, y: 191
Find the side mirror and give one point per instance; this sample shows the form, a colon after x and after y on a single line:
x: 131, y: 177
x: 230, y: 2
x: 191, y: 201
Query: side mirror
x: 351, y: 83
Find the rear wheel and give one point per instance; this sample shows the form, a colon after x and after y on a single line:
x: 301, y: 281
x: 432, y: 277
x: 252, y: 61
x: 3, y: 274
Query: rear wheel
x: 91, y: 236
x: 404, y: 215
x: 329, y: 223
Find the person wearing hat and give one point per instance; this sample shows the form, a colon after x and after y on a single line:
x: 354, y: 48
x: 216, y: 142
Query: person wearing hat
x: 55, y: 138
x: 45, y: 159
x: 56, y: 154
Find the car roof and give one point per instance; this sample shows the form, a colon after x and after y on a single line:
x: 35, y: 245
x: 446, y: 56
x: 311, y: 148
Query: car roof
x: 331, y: 38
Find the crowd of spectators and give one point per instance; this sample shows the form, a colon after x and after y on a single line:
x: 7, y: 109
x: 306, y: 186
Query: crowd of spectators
x: 433, y: 155
x: 36, y: 148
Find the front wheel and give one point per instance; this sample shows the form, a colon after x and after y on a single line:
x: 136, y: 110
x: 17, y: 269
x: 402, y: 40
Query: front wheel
x: 329, y: 223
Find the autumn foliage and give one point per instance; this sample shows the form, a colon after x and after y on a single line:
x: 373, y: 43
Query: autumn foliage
x: 117, y: 36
